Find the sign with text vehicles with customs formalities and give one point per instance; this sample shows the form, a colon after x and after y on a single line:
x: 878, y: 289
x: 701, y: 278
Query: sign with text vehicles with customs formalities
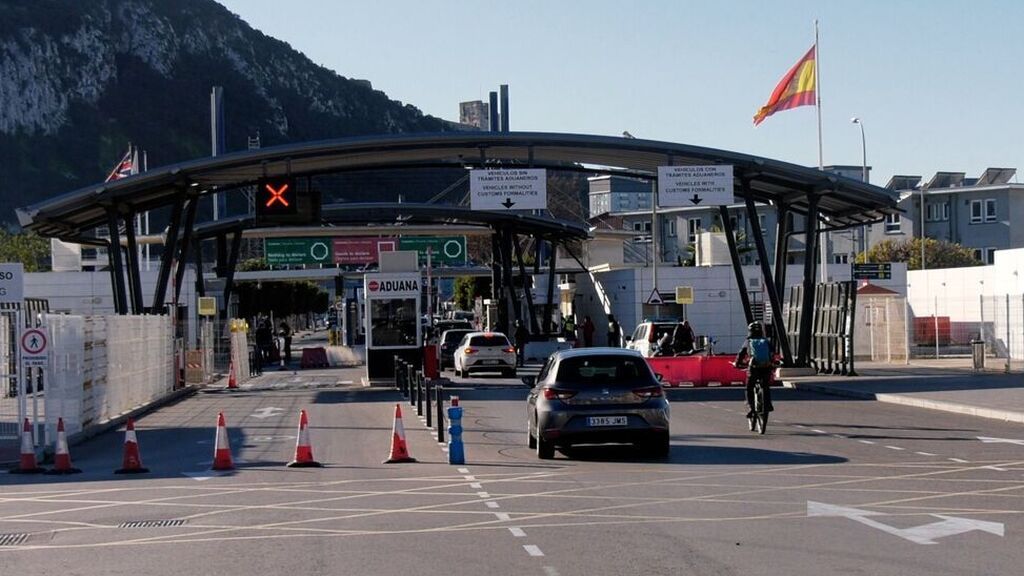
x: 508, y: 189
x: 708, y: 185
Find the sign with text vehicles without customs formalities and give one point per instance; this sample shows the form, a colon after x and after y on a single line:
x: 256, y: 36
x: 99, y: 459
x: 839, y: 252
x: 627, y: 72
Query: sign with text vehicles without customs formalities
x: 707, y: 185
x: 286, y: 251
x: 508, y: 189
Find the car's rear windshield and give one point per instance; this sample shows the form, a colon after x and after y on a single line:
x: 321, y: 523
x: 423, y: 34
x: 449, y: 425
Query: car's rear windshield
x: 662, y: 329
x: 489, y: 340
x: 454, y: 336
x: 603, y: 371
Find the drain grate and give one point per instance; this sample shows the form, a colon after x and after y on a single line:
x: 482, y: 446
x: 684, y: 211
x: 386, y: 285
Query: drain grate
x: 152, y: 523
x: 12, y: 539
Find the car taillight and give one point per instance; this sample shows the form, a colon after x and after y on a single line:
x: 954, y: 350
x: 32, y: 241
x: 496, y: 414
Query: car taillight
x: 649, y: 392
x: 510, y: 350
x: 470, y: 350
x: 556, y: 394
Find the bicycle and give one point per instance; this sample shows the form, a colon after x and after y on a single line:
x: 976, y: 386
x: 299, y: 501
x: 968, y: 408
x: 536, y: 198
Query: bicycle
x: 759, y: 419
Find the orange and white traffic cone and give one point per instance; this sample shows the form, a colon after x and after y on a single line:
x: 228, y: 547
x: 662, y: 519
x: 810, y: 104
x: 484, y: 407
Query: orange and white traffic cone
x: 303, y: 447
x: 399, y: 449
x: 221, y: 446
x: 132, y: 461
x: 62, y: 458
x: 27, y: 463
x: 232, y: 380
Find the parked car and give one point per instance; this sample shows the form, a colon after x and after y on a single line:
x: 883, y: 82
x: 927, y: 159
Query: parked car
x: 485, y: 352
x: 647, y: 334
x: 463, y: 315
x: 447, y: 345
x: 596, y: 396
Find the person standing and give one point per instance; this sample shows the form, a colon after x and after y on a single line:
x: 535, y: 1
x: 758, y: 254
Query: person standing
x: 264, y: 340
x: 522, y: 336
x: 682, y: 338
x: 614, y: 332
x: 570, y: 328
x: 588, y: 332
x: 286, y: 335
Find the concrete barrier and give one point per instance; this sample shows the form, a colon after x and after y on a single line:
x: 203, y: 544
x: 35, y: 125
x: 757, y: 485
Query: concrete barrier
x: 698, y: 371
x: 539, y: 351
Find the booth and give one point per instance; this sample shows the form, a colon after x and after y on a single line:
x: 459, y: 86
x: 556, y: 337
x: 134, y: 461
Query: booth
x: 392, y: 321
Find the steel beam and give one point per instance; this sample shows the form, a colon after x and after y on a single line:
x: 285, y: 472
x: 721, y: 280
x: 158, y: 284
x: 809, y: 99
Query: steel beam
x: 781, y: 246
x: 809, y: 283
x: 549, y: 328
x: 134, y: 271
x: 116, y: 263
x: 778, y: 321
x: 737, y: 269
x: 200, y: 281
x: 190, y: 220
x: 229, y: 276
x: 167, y: 258
x: 527, y: 292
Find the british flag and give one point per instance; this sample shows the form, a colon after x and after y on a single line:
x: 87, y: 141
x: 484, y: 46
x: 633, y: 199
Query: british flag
x: 124, y: 168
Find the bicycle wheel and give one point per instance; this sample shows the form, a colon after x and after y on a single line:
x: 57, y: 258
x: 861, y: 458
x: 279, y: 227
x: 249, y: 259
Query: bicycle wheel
x: 760, y: 410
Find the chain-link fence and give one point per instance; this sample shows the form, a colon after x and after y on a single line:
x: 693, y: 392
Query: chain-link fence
x: 948, y: 327
x: 880, y: 331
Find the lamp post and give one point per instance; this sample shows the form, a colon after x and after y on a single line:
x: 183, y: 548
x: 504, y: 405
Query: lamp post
x: 861, y: 245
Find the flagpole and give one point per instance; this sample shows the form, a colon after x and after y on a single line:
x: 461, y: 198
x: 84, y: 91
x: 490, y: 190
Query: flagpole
x: 823, y: 239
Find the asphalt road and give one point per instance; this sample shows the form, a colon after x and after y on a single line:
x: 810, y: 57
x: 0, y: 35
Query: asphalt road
x: 836, y: 486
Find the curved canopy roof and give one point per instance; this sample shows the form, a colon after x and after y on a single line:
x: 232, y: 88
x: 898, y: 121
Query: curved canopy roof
x: 842, y: 202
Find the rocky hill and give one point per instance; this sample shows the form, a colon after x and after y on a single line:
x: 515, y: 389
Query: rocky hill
x: 80, y: 80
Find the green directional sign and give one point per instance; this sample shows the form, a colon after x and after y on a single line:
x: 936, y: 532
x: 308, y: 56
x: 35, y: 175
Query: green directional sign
x: 292, y: 251
x: 444, y: 250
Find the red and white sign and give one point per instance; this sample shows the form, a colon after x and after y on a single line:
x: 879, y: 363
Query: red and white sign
x: 35, y: 347
x: 361, y: 251
x: 372, y: 285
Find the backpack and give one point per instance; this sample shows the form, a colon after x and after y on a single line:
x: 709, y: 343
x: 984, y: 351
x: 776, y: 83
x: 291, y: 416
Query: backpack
x: 760, y: 353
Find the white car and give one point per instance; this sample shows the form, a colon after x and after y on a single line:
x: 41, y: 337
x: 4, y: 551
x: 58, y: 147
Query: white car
x: 647, y: 334
x: 485, y: 352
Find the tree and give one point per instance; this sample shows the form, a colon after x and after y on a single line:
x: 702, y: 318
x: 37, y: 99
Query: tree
x: 31, y: 250
x: 937, y: 254
x: 467, y: 288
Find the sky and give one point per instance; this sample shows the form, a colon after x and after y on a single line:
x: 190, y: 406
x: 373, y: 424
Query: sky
x: 936, y: 83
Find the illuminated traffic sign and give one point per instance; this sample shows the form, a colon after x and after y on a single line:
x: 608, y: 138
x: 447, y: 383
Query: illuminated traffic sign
x: 276, y: 197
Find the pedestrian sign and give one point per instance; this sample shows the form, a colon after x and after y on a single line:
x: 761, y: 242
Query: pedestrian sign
x: 34, y: 347
x: 655, y: 298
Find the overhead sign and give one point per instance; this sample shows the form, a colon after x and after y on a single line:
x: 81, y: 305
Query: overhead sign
x: 503, y: 190
x: 35, y: 347
x: 923, y: 534
x: 276, y: 197
x: 291, y: 251
x: 684, y: 294
x: 362, y: 251
x: 12, y: 283
x: 872, y: 271
x: 207, y: 306
x: 444, y: 251
x: 654, y: 298
x: 710, y: 185
x: 392, y: 285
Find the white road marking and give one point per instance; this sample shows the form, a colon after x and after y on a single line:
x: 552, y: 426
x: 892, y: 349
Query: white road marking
x: 923, y: 534
x: 799, y: 425
x: 997, y: 468
x: 476, y: 485
x: 470, y: 478
x: 491, y: 504
x: 551, y: 571
x: 818, y: 431
x: 532, y: 550
x: 990, y: 440
x: 503, y: 516
x: 958, y: 460
x: 483, y: 494
x: 865, y: 441
x: 463, y: 470
x: 517, y: 532
x: 268, y: 412
x: 925, y: 453
x: 895, y: 448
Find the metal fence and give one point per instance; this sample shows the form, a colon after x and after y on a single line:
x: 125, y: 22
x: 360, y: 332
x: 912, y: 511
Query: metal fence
x: 946, y: 328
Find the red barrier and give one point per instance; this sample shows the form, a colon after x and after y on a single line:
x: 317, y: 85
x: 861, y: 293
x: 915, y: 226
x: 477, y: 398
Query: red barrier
x: 430, y: 368
x: 698, y: 371
x: 314, y: 358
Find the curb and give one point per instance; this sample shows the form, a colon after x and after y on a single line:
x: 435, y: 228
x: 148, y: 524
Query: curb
x: 97, y: 429
x: 939, y: 405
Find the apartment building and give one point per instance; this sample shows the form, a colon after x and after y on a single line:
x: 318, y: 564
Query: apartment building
x: 973, y: 212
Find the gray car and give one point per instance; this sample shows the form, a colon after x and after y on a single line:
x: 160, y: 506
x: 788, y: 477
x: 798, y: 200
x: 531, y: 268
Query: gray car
x: 596, y: 396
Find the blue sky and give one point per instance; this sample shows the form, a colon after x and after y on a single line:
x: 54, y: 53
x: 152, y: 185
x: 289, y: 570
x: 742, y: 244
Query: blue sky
x: 938, y: 84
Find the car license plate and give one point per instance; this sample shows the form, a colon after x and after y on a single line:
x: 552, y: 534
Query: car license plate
x: 606, y: 421
x: 491, y: 362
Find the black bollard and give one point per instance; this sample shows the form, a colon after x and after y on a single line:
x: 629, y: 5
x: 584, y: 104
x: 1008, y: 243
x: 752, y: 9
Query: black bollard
x: 426, y: 401
x: 412, y: 387
x: 419, y: 393
x: 439, y: 403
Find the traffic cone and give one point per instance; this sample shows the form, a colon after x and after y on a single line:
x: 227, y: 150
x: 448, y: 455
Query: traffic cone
x: 303, y: 448
x: 62, y: 459
x: 399, y: 449
x: 132, y: 462
x: 27, y: 463
x: 221, y: 446
x: 232, y: 381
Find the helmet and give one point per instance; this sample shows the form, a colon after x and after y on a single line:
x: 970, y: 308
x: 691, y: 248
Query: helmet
x: 755, y: 330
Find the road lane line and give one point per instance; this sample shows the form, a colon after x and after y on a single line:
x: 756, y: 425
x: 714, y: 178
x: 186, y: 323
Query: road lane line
x: 551, y: 571
x: 470, y: 478
x: 532, y: 550
x: 503, y: 516
x: 491, y: 504
x: 865, y: 441
x: 483, y: 494
x: 463, y: 470
x: 895, y: 448
x: 925, y: 453
x: 818, y: 431
x: 958, y: 460
x: 517, y: 532
x: 475, y: 485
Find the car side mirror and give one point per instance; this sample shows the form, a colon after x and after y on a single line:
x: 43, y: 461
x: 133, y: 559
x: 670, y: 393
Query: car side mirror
x: 529, y: 380
x: 659, y: 377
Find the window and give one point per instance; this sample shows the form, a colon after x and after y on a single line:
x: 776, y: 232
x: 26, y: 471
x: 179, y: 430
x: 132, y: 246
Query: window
x: 977, y: 254
x: 892, y: 224
x: 393, y: 323
x: 990, y: 210
x: 945, y: 211
x: 670, y: 227
x: 840, y: 258
x: 937, y: 212
x: 693, y: 228
x: 990, y: 256
x: 976, y: 216
x: 760, y: 222
x: 983, y: 210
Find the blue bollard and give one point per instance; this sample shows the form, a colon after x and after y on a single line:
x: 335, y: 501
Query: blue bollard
x: 456, y: 452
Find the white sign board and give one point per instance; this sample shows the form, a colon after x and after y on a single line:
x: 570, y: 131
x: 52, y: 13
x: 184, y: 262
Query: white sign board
x: 504, y: 190
x: 35, y: 350
x: 655, y: 298
x: 695, y: 185
x: 12, y: 283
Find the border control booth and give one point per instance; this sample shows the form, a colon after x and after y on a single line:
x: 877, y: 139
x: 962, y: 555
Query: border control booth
x: 392, y: 321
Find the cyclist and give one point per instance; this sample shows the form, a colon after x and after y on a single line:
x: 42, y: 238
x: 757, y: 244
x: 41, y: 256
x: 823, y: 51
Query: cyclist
x: 757, y: 356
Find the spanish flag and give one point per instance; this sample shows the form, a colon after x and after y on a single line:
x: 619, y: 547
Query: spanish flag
x: 797, y: 88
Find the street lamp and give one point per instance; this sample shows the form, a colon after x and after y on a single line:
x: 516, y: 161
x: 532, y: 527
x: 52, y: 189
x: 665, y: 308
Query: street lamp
x: 863, y: 174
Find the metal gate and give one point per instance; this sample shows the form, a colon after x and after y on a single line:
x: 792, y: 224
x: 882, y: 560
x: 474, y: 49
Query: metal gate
x: 17, y: 402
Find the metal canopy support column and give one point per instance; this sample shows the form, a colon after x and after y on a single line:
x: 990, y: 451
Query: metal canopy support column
x: 527, y: 291
x: 116, y: 263
x: 495, y: 277
x: 200, y: 281
x: 734, y: 254
x: 167, y: 258
x: 549, y: 327
x: 134, y: 273
x: 190, y: 220
x: 778, y: 320
x: 810, y: 268
x: 220, y: 269
x: 511, y: 301
x: 781, y: 245
x: 229, y: 273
